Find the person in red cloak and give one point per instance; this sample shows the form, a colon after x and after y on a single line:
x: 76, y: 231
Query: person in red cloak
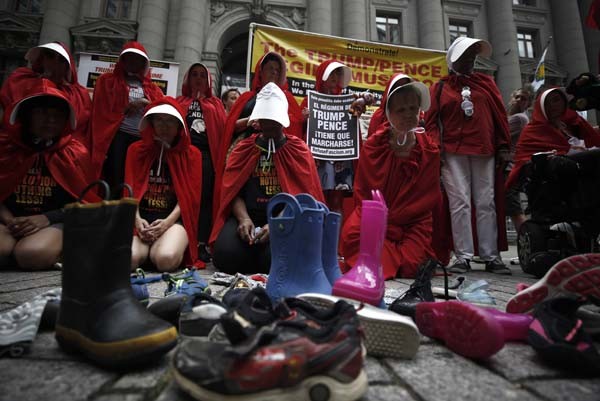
x: 205, y: 117
x: 259, y: 167
x: 270, y: 68
x: 42, y: 168
x: 403, y: 163
x: 119, y: 100
x: 378, y: 117
x: 331, y: 77
x: 553, y: 127
x: 54, y: 62
x: 475, y: 147
x: 165, y: 173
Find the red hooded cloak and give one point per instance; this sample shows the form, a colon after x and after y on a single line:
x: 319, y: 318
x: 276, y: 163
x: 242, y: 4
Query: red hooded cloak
x: 67, y: 159
x: 378, y: 116
x: 410, y: 188
x: 111, y: 97
x: 185, y: 167
x: 214, y: 118
x: 541, y: 136
x: 492, y: 120
x: 295, y: 168
x: 22, y: 80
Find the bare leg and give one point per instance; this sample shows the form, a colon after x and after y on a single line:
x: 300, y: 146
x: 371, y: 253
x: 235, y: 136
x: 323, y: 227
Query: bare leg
x: 166, y: 253
x: 40, y: 250
x: 139, y: 252
x: 7, y: 245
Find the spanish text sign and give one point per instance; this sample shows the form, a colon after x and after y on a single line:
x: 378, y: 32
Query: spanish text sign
x: 332, y: 132
x: 372, y: 64
x: 91, y: 66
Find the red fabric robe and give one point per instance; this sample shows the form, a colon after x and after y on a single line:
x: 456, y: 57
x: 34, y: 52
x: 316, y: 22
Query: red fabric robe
x: 214, y: 118
x: 490, y: 118
x: 111, y: 97
x: 185, y: 167
x: 541, y: 136
x: 294, y: 111
x: 295, y: 167
x: 24, y: 78
x: 67, y: 159
x: 410, y: 188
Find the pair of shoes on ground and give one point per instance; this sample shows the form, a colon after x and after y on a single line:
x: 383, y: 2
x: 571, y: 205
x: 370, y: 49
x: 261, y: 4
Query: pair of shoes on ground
x: 495, y: 266
x: 291, y: 350
x: 575, y: 276
x: 560, y: 338
x: 180, y: 287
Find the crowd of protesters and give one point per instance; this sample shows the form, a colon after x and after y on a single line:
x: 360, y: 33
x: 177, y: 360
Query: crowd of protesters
x: 204, y: 168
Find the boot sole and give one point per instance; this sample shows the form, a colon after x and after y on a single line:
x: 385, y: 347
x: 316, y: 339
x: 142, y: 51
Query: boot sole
x: 118, y: 354
x: 464, y: 328
x: 387, y: 334
x: 315, y: 388
x: 575, y: 275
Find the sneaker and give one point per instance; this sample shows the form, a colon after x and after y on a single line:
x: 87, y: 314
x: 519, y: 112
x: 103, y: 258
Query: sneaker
x: 464, y: 328
x: 419, y: 291
x: 558, y: 337
x: 199, y: 314
x: 289, y: 359
x: 577, y: 275
x: 460, y: 266
x: 180, y: 287
x: 496, y: 266
x: 139, y: 285
x: 387, y: 334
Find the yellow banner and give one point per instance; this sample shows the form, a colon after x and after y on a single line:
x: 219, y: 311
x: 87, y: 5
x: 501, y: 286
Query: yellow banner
x: 372, y: 64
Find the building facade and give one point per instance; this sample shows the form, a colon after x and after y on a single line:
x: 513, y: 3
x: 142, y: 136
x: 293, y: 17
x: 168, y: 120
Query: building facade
x: 215, y: 32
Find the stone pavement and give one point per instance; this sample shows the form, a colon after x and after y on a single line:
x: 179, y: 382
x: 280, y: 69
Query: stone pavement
x: 435, y: 374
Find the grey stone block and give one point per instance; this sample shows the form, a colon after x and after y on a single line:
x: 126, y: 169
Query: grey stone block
x: 566, y: 390
x: 173, y: 392
x: 438, y: 374
x: 518, y: 361
x: 387, y: 393
x: 27, y: 380
x: 150, y: 377
x: 376, y: 373
x: 119, y: 397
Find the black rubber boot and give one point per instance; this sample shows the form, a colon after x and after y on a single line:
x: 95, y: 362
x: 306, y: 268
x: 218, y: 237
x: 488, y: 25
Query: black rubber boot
x: 99, y: 315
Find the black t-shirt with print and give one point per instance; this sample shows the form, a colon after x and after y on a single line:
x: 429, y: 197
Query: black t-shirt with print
x: 262, y: 185
x: 160, y: 199
x: 37, y: 193
x: 195, y: 122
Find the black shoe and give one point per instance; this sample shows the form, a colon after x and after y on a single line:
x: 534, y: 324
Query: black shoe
x: 199, y: 314
x: 496, y: 266
x: 559, y: 337
x: 419, y: 291
x: 460, y: 266
x: 203, y: 253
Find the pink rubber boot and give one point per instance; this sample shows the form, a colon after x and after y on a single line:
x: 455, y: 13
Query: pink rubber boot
x: 365, y: 281
x: 469, y: 330
x: 515, y: 325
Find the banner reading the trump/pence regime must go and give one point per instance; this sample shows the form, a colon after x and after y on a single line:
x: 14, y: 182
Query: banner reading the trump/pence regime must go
x: 372, y: 64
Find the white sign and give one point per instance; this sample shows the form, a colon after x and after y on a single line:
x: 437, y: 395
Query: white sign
x: 91, y: 66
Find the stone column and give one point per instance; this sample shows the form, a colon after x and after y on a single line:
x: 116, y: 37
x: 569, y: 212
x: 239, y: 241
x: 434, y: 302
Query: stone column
x: 59, y: 17
x: 193, y: 19
x: 355, y: 22
x: 431, y: 24
x: 503, y: 38
x: 152, y: 30
x: 319, y: 15
x: 568, y: 37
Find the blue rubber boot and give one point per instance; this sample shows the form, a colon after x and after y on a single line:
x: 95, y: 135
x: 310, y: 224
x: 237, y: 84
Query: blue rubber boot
x: 331, y: 234
x: 296, y: 242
